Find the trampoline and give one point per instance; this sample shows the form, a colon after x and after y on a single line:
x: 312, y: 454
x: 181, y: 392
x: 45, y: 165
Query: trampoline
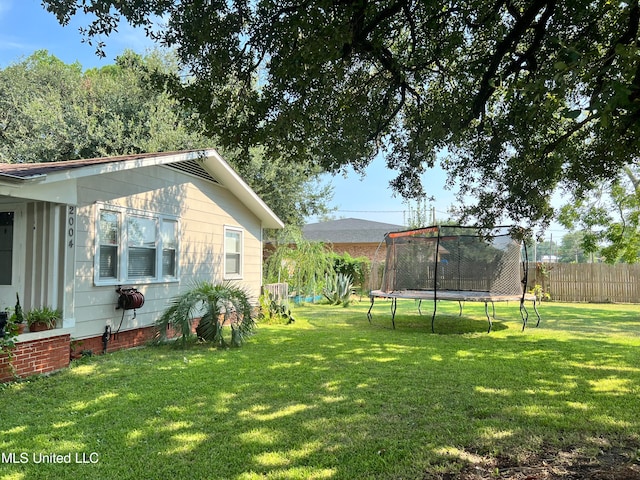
x: 452, y: 263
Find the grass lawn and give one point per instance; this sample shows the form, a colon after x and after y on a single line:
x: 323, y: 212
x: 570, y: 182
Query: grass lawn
x: 335, y: 397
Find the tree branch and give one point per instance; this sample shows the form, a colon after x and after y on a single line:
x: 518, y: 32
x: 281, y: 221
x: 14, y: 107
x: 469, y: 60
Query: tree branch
x: 507, y: 45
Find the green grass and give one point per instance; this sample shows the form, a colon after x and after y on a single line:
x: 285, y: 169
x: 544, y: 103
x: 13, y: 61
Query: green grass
x: 333, y: 396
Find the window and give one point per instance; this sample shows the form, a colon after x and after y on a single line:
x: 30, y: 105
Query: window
x: 6, y: 247
x: 134, y: 246
x: 109, y: 234
x: 169, y: 247
x: 232, y: 252
x: 142, y: 238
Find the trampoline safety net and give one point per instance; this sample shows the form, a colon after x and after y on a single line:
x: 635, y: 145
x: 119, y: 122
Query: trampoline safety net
x: 451, y: 258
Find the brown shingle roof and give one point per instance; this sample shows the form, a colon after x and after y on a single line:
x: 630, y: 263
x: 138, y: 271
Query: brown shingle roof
x: 29, y: 170
x: 349, y: 230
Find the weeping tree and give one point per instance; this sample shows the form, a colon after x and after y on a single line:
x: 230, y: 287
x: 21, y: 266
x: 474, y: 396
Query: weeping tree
x: 218, y: 306
x: 298, y: 262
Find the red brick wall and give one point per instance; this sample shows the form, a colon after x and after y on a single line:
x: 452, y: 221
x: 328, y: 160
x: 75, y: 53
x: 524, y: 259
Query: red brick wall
x: 45, y: 355
x: 123, y: 340
x: 51, y: 354
x: 119, y: 341
x: 360, y: 250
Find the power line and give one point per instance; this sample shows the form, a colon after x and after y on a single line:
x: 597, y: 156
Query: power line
x: 370, y: 211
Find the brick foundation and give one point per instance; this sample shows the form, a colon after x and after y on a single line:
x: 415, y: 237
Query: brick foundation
x: 32, y: 357
x: 46, y: 355
x: 119, y: 341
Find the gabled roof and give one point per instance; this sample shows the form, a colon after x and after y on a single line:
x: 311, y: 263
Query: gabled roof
x: 349, y: 230
x: 49, y: 181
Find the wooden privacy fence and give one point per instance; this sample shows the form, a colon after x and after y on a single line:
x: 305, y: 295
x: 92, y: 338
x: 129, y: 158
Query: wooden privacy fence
x: 587, y: 282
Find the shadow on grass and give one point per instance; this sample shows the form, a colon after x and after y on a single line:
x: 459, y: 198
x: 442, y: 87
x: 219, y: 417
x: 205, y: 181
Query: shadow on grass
x: 342, y: 399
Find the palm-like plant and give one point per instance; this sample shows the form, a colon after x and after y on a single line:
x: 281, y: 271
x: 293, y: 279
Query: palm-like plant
x: 217, y: 306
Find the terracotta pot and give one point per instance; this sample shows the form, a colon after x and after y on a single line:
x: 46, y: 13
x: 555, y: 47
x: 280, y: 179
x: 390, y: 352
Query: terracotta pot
x: 39, y: 327
x: 21, y: 328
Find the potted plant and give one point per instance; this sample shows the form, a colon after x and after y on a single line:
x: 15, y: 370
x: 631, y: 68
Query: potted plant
x: 17, y: 318
x: 43, y: 318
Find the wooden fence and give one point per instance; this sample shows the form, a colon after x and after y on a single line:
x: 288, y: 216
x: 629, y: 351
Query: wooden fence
x: 587, y: 282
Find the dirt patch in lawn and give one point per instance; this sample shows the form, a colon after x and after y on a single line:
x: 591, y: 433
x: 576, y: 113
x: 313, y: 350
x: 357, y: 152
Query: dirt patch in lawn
x: 616, y: 463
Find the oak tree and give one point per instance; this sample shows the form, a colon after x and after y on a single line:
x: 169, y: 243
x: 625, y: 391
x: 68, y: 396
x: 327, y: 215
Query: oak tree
x: 522, y: 97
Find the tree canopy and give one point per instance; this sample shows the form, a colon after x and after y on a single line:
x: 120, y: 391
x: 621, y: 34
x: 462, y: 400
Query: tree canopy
x: 608, y: 219
x: 52, y: 111
x: 522, y: 96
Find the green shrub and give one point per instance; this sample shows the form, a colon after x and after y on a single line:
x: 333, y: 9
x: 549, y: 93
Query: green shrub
x: 273, y: 311
x: 357, y: 268
x: 540, y: 294
x: 218, y: 306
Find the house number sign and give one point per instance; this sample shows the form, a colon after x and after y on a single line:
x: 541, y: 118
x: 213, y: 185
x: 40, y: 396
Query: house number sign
x: 71, y: 224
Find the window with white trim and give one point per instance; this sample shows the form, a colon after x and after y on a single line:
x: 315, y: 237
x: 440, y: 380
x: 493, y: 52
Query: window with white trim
x: 233, y: 252
x: 109, y: 241
x: 135, y: 247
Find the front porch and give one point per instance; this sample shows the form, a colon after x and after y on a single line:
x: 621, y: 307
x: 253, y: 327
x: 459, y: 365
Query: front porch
x: 38, y: 252
x: 37, y: 255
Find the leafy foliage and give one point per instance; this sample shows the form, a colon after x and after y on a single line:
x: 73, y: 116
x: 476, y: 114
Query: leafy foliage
x: 45, y: 314
x: 299, y: 262
x: 419, y: 213
x: 51, y: 111
x: 18, y: 314
x: 217, y: 306
x: 540, y: 293
x: 608, y: 218
x: 524, y: 96
x: 357, y: 268
x: 274, y: 311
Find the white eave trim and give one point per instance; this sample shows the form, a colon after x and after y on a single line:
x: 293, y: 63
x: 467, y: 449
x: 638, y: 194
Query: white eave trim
x: 118, y: 166
x: 54, y: 186
x: 221, y: 170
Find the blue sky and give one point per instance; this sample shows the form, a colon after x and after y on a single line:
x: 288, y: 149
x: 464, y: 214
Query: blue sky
x: 26, y: 27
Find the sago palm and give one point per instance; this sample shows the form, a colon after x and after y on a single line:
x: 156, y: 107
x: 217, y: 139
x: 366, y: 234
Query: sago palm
x: 217, y: 306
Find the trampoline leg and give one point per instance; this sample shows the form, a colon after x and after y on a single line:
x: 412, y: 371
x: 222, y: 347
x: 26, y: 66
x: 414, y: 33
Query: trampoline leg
x: 486, y: 312
x: 370, y: 307
x: 535, y: 309
x: 419, y: 305
x: 460, y: 305
x: 433, y: 317
x: 524, y: 314
x: 394, y: 306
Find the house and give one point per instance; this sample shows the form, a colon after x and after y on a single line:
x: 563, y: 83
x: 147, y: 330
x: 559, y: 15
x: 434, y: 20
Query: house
x: 72, y: 232
x: 359, y: 238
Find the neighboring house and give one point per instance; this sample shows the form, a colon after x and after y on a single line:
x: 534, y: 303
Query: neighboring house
x: 359, y: 238
x: 72, y: 232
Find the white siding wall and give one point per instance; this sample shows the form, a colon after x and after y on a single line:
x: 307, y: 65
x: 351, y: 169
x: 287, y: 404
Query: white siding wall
x: 203, y: 209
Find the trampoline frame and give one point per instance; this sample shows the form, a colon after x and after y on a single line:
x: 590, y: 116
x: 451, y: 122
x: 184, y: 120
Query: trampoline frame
x: 460, y: 297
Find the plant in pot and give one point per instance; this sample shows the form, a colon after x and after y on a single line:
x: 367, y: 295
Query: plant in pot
x: 43, y: 318
x: 17, y: 317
